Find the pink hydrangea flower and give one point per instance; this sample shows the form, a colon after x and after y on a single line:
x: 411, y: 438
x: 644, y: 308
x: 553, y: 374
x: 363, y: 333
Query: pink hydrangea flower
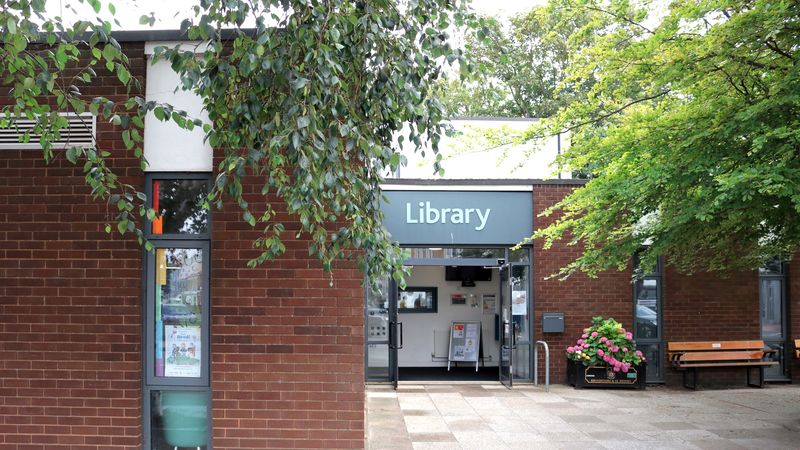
x: 625, y: 368
x: 570, y: 349
x: 603, y: 340
x: 622, y: 330
x: 625, y: 349
x: 584, y: 335
x: 594, y: 333
x: 601, y: 352
x: 628, y: 336
x: 639, y: 353
x: 617, y: 369
x: 580, y: 341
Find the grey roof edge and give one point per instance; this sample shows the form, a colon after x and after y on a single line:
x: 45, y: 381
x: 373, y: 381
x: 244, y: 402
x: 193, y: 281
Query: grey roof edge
x: 483, y: 182
x: 149, y: 35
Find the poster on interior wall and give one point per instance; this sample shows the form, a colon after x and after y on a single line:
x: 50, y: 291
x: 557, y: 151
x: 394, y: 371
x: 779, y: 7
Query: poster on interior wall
x: 489, y: 304
x: 519, y: 303
x: 183, y: 349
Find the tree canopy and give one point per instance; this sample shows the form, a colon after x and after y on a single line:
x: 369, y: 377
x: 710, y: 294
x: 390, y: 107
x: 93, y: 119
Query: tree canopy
x: 310, y: 100
x: 521, y: 61
x: 690, y: 132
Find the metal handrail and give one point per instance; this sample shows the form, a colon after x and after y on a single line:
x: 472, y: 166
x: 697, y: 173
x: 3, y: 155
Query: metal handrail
x: 546, y: 364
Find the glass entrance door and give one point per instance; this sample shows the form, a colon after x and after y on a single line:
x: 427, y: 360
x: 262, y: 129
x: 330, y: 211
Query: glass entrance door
x: 507, y: 332
x: 381, y: 320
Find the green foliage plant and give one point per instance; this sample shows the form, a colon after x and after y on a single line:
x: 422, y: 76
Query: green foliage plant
x: 310, y: 102
x: 689, y: 135
x: 606, y: 343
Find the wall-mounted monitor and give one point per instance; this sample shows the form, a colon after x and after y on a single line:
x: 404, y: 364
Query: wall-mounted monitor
x: 467, y: 275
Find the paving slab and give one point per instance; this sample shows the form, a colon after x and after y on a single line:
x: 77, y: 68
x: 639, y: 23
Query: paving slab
x: 490, y: 416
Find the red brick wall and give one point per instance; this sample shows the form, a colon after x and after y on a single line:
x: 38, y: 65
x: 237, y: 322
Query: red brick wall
x: 699, y: 307
x: 287, y: 356
x: 580, y: 298
x: 288, y: 347
x: 70, y: 323
x: 709, y: 307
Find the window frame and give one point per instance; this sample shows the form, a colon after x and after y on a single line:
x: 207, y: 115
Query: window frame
x: 148, y: 191
x: 202, y: 241
x: 658, y: 340
x: 149, y: 317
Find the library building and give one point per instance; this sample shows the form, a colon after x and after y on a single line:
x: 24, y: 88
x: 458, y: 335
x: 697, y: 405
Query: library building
x: 106, y: 346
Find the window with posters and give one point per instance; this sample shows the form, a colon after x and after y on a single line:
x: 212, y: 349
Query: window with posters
x: 177, y: 358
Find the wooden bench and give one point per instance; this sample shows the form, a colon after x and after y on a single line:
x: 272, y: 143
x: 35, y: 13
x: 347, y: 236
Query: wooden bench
x: 797, y: 348
x: 690, y: 356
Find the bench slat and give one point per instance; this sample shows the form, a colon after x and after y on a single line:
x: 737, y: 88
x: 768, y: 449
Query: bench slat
x: 722, y: 356
x: 715, y: 345
x: 752, y: 363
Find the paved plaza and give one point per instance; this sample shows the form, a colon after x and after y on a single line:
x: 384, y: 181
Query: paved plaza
x: 490, y: 416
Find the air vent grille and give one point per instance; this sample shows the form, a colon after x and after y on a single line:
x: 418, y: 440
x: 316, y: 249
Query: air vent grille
x: 79, y: 132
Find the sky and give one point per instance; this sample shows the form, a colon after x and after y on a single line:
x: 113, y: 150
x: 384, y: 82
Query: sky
x: 129, y: 11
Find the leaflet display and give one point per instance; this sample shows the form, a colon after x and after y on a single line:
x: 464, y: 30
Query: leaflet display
x: 465, y: 342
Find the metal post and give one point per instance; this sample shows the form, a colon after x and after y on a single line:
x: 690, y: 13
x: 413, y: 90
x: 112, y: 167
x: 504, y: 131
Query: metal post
x: 546, y: 365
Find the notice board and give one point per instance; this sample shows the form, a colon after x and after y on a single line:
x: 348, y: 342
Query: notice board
x: 465, y: 342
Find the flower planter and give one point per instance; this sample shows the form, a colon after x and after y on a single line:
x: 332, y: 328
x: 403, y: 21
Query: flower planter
x: 582, y: 376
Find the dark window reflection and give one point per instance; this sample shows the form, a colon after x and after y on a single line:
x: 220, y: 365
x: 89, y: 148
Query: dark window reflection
x: 773, y: 266
x: 647, y: 308
x: 180, y: 205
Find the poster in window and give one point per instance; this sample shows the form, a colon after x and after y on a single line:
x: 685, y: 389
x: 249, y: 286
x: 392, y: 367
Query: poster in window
x: 519, y: 303
x: 183, y: 349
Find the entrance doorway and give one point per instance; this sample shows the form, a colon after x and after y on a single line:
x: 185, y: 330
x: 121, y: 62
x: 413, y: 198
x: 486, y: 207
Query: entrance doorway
x: 409, y: 333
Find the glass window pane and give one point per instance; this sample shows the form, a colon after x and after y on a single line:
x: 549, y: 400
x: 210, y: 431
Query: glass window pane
x: 522, y: 362
x: 180, y: 207
x: 771, y: 309
x: 520, y: 254
x: 456, y: 253
x: 178, y: 419
x: 773, y: 266
x: 179, y: 301
x: 647, y: 308
x: 377, y: 361
x: 520, y: 284
x: 378, y: 312
x: 652, y: 354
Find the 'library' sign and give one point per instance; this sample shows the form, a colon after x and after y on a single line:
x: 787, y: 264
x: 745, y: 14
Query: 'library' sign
x: 458, y: 217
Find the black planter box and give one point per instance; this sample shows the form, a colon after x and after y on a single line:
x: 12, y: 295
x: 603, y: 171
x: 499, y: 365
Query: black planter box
x: 582, y: 376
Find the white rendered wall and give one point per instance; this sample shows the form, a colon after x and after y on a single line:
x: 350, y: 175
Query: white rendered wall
x: 167, y: 147
x: 418, y: 328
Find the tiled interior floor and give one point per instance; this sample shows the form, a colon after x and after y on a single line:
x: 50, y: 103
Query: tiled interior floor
x: 490, y: 416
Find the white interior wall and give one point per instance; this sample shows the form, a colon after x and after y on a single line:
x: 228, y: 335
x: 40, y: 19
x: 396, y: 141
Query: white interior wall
x: 420, y: 330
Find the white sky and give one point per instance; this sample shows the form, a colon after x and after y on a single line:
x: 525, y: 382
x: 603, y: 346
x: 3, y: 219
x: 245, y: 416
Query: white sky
x: 129, y: 11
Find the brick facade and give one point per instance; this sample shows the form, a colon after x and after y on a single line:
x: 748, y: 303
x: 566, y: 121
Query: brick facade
x: 287, y: 339
x: 288, y: 343
x: 695, y: 307
x: 70, y: 302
